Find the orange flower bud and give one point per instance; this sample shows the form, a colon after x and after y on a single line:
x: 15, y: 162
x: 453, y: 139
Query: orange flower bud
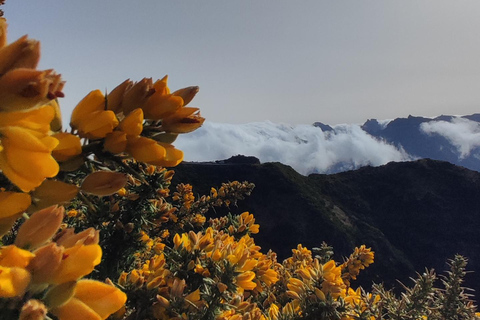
x: 183, y: 121
x: 115, y: 97
x: 52, y: 192
x: 22, y: 89
x: 40, y: 228
x: 68, y: 238
x: 23, y: 53
x: 104, y: 183
x: 187, y: 94
x: 136, y: 96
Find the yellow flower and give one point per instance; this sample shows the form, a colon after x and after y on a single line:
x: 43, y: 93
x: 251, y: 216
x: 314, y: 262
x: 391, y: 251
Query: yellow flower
x: 129, y: 128
x: 13, y: 203
x: 26, y: 157
x: 146, y: 150
x: 132, y: 124
x: 173, y: 156
x: 244, y: 281
x: 12, y: 256
x: 13, y: 281
x: 91, y: 300
x: 185, y: 120
x: 127, y: 138
x: 77, y: 262
x: 90, y: 118
x: 162, y: 103
x: 37, y: 119
x: 68, y: 147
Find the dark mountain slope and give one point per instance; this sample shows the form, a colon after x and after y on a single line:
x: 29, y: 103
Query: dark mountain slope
x: 413, y: 214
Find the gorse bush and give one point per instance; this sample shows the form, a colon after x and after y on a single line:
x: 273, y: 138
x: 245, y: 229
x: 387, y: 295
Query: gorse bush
x: 91, y: 227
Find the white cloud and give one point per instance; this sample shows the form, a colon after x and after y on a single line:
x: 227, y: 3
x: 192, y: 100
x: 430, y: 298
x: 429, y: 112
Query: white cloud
x: 304, y: 147
x: 462, y: 133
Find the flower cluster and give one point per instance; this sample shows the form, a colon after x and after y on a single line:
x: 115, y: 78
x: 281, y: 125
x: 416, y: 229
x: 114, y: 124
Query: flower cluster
x: 43, y: 257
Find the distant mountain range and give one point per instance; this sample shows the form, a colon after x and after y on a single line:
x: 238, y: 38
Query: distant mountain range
x: 321, y: 148
x: 414, y: 215
x: 448, y: 138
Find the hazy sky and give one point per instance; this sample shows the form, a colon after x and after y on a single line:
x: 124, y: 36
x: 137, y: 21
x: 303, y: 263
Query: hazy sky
x: 291, y: 61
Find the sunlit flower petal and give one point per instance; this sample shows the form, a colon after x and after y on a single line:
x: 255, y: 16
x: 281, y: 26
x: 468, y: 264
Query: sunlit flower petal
x: 68, y: 147
x: 104, y: 299
x: 26, y: 157
x: 13, y: 281
x: 77, y: 262
x: 97, y: 125
x: 34, y: 119
x: 12, y: 256
x: 94, y: 101
x: 75, y: 309
x: 172, y: 156
x: 145, y: 150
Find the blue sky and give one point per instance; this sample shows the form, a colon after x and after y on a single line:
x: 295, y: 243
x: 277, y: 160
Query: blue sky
x: 285, y: 61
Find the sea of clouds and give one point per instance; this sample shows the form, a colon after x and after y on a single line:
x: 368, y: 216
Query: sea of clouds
x: 306, y: 148
x: 462, y: 133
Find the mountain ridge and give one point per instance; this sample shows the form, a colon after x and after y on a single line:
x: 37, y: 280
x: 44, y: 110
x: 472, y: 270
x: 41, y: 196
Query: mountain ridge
x: 387, y: 208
